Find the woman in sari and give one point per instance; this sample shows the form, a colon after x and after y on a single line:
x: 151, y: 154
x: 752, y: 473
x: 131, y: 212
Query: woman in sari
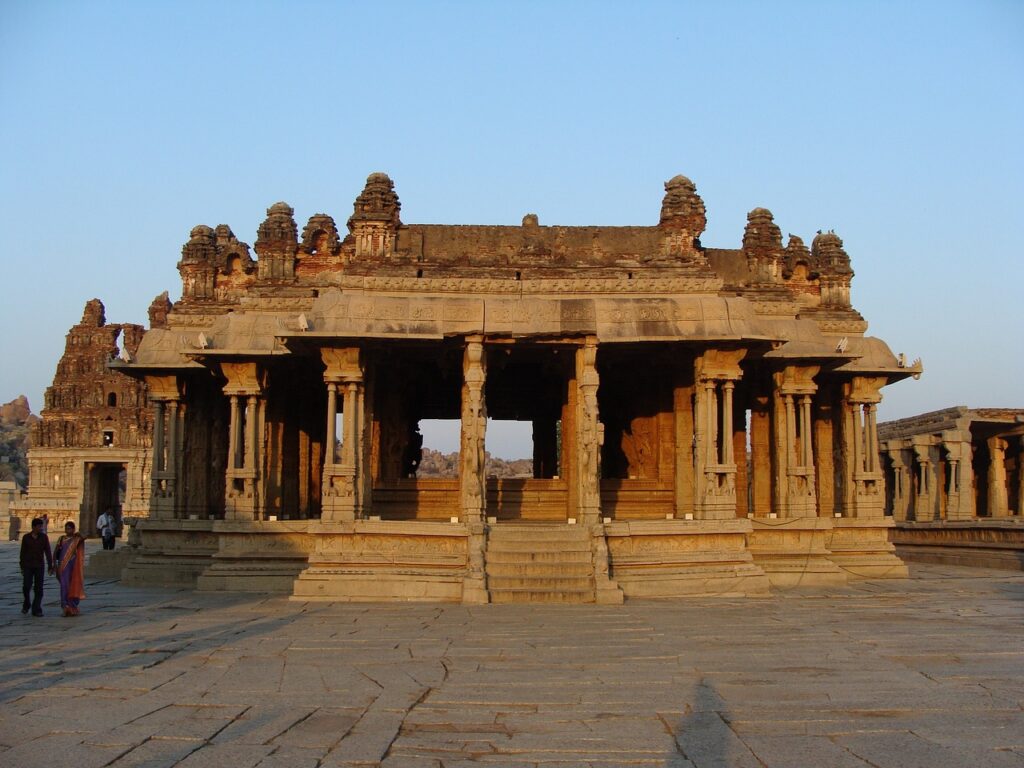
x: 69, y: 559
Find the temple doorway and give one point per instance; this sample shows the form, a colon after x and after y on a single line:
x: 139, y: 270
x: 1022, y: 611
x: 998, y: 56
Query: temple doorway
x: 105, y: 484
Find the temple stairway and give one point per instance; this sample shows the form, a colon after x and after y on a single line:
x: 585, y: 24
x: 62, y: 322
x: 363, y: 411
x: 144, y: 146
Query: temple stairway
x: 539, y: 563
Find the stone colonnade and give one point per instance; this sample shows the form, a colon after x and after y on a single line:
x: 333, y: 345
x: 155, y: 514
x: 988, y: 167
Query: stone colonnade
x: 937, y: 476
x: 793, y: 435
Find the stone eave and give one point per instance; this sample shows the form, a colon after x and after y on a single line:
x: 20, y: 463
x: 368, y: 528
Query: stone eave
x: 141, y: 369
x: 236, y: 353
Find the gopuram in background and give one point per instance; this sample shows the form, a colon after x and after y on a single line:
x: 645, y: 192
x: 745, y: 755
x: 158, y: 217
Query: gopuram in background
x: 91, y: 448
x: 955, y: 485
x: 703, y: 419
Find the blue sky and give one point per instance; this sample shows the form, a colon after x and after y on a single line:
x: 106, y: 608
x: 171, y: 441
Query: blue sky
x: 899, y: 125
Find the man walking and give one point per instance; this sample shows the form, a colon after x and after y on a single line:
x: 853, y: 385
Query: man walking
x: 107, y: 525
x: 35, y: 546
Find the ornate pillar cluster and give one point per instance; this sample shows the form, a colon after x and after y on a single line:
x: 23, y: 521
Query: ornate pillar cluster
x: 346, y: 484
x: 863, y: 480
x: 168, y: 433
x: 793, y: 395
x: 959, y: 488
x: 472, y: 474
x: 245, y: 389
x: 589, y: 435
x: 716, y: 374
x: 998, y: 502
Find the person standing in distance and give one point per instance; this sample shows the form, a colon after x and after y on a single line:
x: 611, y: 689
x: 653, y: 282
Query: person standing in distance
x: 35, y: 547
x: 106, y: 525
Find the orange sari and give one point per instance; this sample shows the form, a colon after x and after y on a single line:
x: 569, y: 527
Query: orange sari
x: 69, y: 557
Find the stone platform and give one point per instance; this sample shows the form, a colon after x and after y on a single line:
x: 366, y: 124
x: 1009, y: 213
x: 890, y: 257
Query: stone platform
x: 926, y: 671
x: 975, y: 543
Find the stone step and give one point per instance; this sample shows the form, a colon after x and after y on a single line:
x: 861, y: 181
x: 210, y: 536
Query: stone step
x: 537, y: 563
x: 539, y: 569
x: 542, y: 596
x: 524, y: 556
x: 541, y: 583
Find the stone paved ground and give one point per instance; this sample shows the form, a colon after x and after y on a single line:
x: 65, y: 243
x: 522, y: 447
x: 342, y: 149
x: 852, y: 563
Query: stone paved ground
x: 924, y: 672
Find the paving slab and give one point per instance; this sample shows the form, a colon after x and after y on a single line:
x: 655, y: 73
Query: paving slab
x: 925, y: 671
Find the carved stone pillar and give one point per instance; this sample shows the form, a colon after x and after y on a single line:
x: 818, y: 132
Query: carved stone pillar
x: 998, y: 505
x: 472, y: 469
x: 345, y: 489
x: 716, y: 372
x: 682, y: 398
x: 244, y: 493
x: 924, y: 482
x: 863, y: 480
x: 234, y: 435
x: 589, y: 435
x: 165, y: 395
x: 761, y: 456
x: 900, y: 488
x: 331, y: 454
x: 794, y: 388
x: 159, y: 445
x: 158, y: 506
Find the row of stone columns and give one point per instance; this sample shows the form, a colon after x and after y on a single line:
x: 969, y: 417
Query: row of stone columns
x: 917, y: 495
x: 346, y: 478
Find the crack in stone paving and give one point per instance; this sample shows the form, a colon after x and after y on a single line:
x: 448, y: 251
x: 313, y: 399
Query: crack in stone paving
x: 401, y: 724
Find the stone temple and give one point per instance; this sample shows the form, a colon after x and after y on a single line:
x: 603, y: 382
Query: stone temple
x: 703, y: 419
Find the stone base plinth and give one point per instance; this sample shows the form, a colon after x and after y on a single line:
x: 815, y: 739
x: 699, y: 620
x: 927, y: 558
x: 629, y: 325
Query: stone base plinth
x: 257, y: 556
x: 683, y: 558
x: 366, y: 561
x: 793, y: 551
x: 975, y: 543
x: 171, y: 553
x: 108, y: 563
x: 861, y: 547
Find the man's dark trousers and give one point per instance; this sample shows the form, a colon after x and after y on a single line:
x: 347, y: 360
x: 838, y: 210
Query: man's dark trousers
x: 33, y: 577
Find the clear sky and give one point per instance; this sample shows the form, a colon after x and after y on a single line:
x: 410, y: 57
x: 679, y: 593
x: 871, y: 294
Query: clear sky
x: 898, y: 124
